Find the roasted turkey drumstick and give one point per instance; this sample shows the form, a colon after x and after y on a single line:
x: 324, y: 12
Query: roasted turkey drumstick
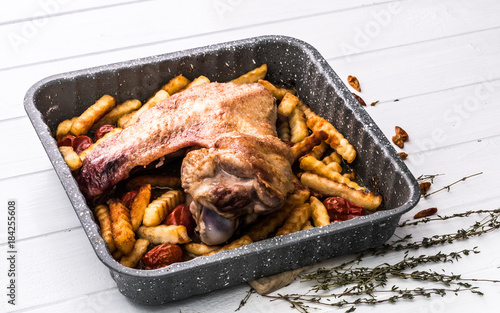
x: 236, y: 169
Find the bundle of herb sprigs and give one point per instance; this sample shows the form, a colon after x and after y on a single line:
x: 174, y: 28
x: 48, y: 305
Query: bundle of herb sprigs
x: 351, y: 284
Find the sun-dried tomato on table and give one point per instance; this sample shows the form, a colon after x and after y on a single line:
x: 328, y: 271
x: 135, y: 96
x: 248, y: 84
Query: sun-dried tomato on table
x: 341, y: 209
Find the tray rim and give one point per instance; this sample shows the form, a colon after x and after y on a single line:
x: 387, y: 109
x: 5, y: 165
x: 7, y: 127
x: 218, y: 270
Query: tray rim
x: 84, y: 213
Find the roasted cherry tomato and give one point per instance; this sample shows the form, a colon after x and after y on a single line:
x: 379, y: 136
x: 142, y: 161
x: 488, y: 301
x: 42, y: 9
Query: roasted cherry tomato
x: 103, y: 130
x: 341, y: 209
x: 66, y: 141
x: 81, y: 143
x: 181, y: 216
x: 129, y: 197
x: 162, y: 255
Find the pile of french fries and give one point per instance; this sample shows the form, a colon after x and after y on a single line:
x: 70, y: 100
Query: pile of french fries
x: 318, y: 148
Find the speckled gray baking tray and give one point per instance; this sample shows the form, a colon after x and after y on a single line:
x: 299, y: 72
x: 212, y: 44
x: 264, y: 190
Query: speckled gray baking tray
x: 291, y: 63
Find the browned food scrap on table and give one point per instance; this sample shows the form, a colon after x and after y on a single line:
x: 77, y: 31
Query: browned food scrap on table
x: 153, y: 223
x: 374, y: 103
x: 424, y: 187
x: 400, y: 137
x: 403, y: 155
x: 425, y: 213
x: 360, y: 100
x: 354, y: 82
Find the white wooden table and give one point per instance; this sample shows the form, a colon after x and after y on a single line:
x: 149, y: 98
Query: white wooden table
x: 440, y: 59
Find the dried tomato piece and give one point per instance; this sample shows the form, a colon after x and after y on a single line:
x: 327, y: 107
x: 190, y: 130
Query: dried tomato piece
x: 103, y: 130
x: 66, y: 141
x: 340, y: 209
x: 129, y: 197
x: 162, y: 255
x: 181, y: 215
x: 425, y: 213
x: 81, y: 143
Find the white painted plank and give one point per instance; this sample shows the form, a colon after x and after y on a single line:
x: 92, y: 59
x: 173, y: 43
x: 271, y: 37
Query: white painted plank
x: 43, y: 206
x: 32, y: 10
x: 339, y: 27
x: 143, y: 23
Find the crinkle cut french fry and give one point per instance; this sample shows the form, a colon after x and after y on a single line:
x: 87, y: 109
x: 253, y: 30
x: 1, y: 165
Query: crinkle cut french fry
x: 299, y: 215
x: 333, y: 157
x: 157, y: 235
x: 160, y: 181
x: 319, y: 213
x: 71, y: 157
x: 123, y: 235
x: 124, y: 119
x: 118, y: 111
x: 176, y: 84
x: 139, y: 205
x: 113, y: 132
x: 335, y: 139
x: 277, y: 92
x: 244, y: 240
x: 330, y: 188
x: 140, y: 249
x: 64, y: 127
x: 307, y: 225
x: 283, y: 128
x: 318, y: 151
x: 298, y: 127
x: 158, y: 97
x: 287, y: 104
x: 117, y: 255
x: 308, y: 163
x: 102, y: 213
x: 198, y: 249
x: 253, y: 76
x: 268, y: 224
x: 350, y: 175
x: 200, y: 80
x: 307, y: 144
x: 158, y: 210
x: 85, y: 121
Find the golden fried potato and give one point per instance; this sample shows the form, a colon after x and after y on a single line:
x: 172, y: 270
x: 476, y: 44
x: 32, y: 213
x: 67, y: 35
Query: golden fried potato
x: 121, y: 227
x: 244, y: 240
x: 277, y: 92
x: 102, y: 213
x: 198, y: 249
x: 298, y: 127
x: 85, y: 121
x: 139, y: 205
x: 117, y: 255
x: 112, y: 133
x: 350, y: 175
x: 140, y: 249
x: 118, y: 111
x: 158, y: 97
x: 330, y: 188
x: 319, y: 212
x: 283, y: 128
x: 307, y: 225
x: 252, y: 77
x: 125, y: 118
x: 64, y: 127
x: 160, y: 181
x: 176, y: 84
x: 287, y: 104
x: 158, y: 210
x: 335, y: 139
x: 198, y: 81
x: 333, y: 157
x: 299, y: 215
x: 308, y: 163
x: 269, y: 223
x: 71, y: 157
x: 318, y: 151
x: 307, y: 144
x: 175, y: 234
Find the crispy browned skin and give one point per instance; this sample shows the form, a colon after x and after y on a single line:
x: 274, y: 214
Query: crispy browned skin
x: 239, y: 167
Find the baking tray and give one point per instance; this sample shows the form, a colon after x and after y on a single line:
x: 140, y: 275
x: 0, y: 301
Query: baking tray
x: 292, y: 63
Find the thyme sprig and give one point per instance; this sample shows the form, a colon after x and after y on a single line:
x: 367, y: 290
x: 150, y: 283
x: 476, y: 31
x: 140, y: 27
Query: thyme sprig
x: 448, y: 187
x: 369, y: 285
